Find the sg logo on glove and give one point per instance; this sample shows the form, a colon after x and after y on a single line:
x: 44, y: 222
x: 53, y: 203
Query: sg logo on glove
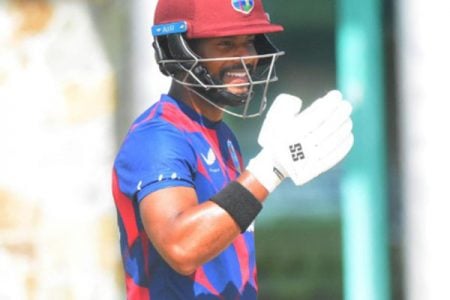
x: 297, y: 152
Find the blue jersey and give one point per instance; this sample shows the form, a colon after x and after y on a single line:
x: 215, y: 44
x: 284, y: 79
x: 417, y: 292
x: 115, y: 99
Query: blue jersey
x: 170, y: 145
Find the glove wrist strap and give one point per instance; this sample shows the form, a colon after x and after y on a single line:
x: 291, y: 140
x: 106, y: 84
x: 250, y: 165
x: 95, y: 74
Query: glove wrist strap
x: 265, y: 171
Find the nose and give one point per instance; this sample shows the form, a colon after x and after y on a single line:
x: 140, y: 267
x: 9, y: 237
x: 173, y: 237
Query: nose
x: 247, y: 49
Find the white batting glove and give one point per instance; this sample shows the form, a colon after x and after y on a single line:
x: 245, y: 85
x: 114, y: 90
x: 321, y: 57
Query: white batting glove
x: 302, y: 145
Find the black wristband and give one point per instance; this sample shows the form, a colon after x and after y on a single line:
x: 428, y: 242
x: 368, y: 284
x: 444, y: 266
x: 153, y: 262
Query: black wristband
x: 240, y: 204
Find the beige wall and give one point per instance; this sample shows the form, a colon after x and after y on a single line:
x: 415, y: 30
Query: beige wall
x: 58, y: 237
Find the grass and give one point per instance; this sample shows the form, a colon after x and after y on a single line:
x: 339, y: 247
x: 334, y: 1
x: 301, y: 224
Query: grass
x: 299, y: 259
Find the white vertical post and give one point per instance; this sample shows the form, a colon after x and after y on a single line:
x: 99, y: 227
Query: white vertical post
x: 146, y: 83
x: 140, y: 82
x: 424, y: 64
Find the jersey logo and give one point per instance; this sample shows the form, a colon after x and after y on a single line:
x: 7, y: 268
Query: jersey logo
x: 210, y: 159
x: 234, y: 156
x: 243, y: 6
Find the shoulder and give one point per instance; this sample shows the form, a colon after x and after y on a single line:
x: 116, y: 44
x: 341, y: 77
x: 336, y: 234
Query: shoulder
x: 150, y: 156
x: 156, y: 139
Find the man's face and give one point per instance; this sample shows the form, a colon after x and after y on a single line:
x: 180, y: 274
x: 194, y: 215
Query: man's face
x: 228, y: 71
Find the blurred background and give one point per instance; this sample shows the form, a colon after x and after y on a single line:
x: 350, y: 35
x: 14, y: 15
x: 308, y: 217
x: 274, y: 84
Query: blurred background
x: 75, y: 73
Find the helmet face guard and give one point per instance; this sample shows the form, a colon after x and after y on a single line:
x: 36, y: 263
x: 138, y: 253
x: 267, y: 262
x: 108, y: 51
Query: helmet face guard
x: 176, y: 59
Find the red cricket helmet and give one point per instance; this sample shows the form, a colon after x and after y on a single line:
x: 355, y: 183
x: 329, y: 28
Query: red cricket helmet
x: 216, y: 18
x: 178, y: 21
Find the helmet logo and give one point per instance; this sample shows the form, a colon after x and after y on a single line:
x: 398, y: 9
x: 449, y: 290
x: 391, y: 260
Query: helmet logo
x: 243, y: 6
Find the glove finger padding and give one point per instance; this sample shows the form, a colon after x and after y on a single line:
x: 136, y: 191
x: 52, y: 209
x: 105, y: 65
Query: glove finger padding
x: 334, y: 122
x: 320, y: 137
x: 333, y: 140
x: 318, y: 113
x: 280, y: 114
x: 337, y: 154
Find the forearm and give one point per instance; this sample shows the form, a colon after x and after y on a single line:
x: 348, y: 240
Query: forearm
x: 254, y: 186
x: 196, y: 236
x: 201, y: 231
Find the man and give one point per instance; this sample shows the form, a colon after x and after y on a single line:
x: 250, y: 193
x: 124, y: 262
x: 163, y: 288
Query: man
x: 185, y: 202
